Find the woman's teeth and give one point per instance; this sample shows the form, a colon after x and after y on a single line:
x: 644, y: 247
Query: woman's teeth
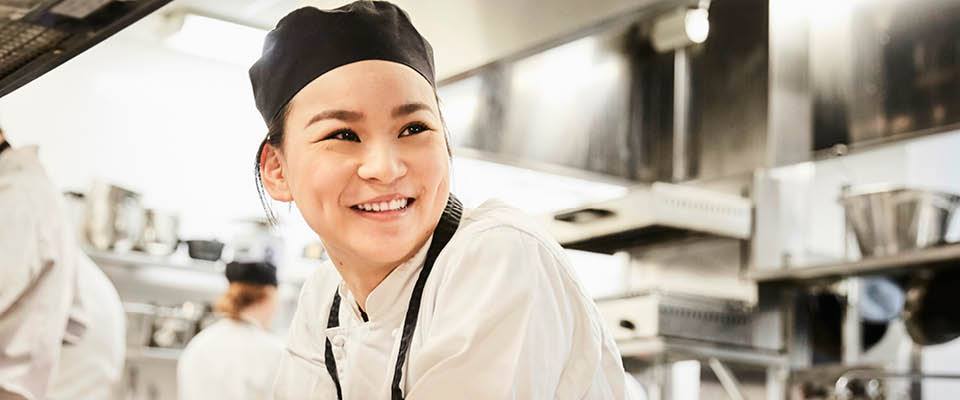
x: 392, y: 205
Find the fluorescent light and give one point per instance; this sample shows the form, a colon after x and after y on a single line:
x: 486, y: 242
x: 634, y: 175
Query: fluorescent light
x: 218, y: 39
x: 697, y: 25
x: 680, y: 29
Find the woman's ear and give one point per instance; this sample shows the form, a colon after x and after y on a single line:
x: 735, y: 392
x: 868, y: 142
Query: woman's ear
x: 272, y: 174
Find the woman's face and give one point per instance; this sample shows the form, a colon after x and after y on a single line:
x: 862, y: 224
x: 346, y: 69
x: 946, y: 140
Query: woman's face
x: 365, y: 159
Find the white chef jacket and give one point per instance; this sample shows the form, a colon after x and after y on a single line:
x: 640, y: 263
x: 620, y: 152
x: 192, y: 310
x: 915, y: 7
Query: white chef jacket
x: 230, y: 359
x: 37, y: 277
x: 502, y: 317
x: 92, y: 367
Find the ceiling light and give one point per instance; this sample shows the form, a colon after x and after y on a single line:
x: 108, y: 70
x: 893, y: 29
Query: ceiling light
x: 218, y: 39
x: 680, y: 29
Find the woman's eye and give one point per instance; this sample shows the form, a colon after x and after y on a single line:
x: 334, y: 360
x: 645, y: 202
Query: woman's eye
x: 414, y: 129
x: 343, y: 134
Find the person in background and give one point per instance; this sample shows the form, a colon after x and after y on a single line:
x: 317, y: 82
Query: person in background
x: 92, y: 367
x: 38, y: 275
x: 237, y: 357
x: 49, y: 294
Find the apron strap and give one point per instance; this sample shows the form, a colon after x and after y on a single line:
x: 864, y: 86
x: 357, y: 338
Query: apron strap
x: 446, y: 227
x: 328, y: 359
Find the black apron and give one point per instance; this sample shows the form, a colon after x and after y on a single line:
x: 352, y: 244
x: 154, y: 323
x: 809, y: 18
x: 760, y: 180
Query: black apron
x: 449, y: 221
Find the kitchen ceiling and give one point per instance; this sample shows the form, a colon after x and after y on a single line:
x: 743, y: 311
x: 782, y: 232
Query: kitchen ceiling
x: 465, y: 34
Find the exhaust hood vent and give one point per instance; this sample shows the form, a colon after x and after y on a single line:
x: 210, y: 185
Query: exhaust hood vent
x: 651, y: 214
x: 36, y: 36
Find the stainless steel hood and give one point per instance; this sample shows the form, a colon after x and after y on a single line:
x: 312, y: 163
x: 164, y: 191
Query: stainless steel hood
x: 602, y: 101
x: 36, y: 36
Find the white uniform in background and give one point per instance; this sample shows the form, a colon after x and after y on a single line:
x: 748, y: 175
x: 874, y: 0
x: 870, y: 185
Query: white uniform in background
x: 92, y: 367
x: 37, y: 277
x: 502, y: 317
x: 230, y: 359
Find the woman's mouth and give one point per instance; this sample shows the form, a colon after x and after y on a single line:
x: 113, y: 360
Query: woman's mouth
x: 385, y: 208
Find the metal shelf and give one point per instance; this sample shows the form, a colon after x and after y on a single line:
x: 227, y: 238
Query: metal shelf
x: 676, y: 348
x: 153, y: 354
x: 935, y: 257
x: 176, y: 261
x: 141, y: 260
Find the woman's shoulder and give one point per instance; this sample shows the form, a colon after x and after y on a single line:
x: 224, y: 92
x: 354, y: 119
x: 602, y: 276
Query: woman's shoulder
x: 317, y: 290
x: 504, y: 219
x: 500, y: 230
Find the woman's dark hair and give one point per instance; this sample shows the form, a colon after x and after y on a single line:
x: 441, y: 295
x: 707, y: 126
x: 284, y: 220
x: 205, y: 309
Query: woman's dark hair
x: 275, y: 138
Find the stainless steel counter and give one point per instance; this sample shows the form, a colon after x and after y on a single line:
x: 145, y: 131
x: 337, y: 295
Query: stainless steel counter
x: 946, y: 256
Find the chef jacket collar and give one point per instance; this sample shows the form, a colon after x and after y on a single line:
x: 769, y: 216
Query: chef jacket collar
x: 249, y: 320
x: 19, y: 157
x: 388, y: 298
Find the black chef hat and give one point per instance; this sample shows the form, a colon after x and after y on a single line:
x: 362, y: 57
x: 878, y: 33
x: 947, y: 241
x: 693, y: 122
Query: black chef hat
x: 258, y: 273
x: 309, y: 42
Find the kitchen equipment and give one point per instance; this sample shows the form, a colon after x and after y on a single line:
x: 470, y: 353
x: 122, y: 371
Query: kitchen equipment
x: 140, y: 318
x: 654, y: 314
x: 887, y: 220
x: 159, y: 236
x: 881, y: 299
x: 21, y: 42
x: 835, y: 382
x: 175, y: 326
x: 649, y: 214
x: 115, y: 218
x: 36, y: 36
x: 78, y: 9
x: 826, y: 309
x: 931, y: 313
x: 209, y: 250
x: 254, y: 241
x: 16, y: 9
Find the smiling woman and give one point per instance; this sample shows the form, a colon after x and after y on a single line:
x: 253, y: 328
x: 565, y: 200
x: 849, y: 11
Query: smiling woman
x: 422, y: 300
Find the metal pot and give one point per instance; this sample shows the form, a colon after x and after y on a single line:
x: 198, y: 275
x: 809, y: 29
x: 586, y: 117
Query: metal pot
x: 159, y: 236
x: 887, y: 220
x: 114, y: 218
x: 209, y: 250
x: 931, y: 313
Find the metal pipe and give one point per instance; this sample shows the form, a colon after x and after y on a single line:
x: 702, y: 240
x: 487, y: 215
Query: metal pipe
x: 727, y: 379
x: 842, y: 390
x: 681, y: 111
x: 852, y: 339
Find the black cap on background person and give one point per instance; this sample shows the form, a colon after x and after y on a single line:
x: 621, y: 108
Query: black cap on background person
x: 253, y: 286
x: 257, y: 273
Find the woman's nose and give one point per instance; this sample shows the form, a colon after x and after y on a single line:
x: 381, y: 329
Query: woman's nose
x: 382, y: 163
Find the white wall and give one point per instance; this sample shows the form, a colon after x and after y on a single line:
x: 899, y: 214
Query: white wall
x: 179, y: 129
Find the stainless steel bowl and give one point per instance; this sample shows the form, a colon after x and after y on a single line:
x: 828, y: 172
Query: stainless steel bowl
x: 888, y: 220
x: 114, y: 219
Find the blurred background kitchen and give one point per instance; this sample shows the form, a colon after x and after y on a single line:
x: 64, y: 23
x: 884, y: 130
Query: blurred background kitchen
x: 760, y: 194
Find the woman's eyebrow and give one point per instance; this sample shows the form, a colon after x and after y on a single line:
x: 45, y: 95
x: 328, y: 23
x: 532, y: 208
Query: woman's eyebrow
x: 410, y: 108
x: 343, y: 115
